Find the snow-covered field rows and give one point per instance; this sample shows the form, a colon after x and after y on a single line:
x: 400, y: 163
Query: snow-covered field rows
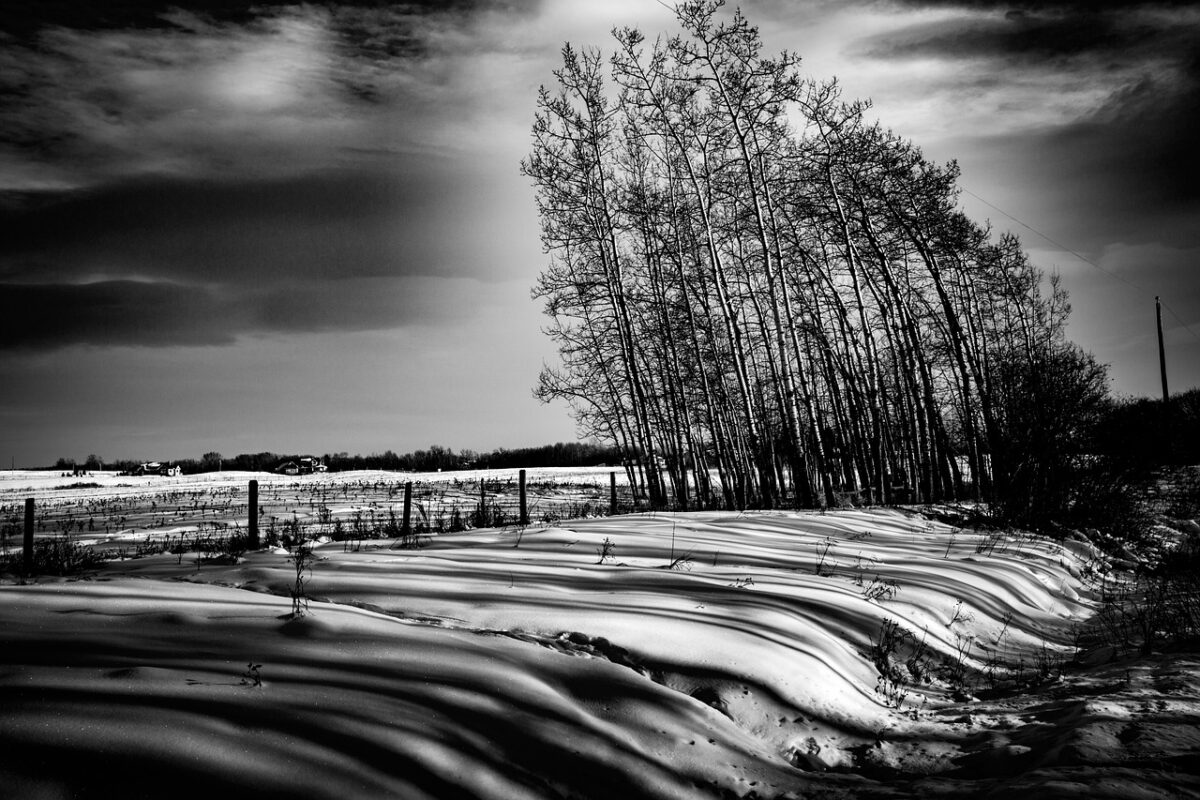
x: 704, y: 654
x: 109, y: 510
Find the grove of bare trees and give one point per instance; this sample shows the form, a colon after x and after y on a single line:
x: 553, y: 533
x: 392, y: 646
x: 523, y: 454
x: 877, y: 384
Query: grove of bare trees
x: 763, y: 297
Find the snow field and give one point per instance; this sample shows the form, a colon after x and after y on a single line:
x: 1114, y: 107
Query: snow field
x: 506, y: 663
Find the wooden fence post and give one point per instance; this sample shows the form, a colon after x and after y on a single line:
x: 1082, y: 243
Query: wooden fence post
x: 252, y: 524
x: 406, y: 526
x: 524, y: 520
x: 612, y: 494
x: 27, y: 561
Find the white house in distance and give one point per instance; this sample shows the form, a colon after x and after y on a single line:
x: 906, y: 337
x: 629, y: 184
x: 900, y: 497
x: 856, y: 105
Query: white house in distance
x: 157, y: 468
x: 305, y: 465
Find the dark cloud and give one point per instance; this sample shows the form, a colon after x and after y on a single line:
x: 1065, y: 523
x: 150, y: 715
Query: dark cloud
x: 318, y: 225
x: 26, y: 18
x: 1129, y: 172
x: 1144, y: 136
x: 162, y: 262
x: 1025, y: 37
x: 1125, y: 164
x: 1037, y: 33
x: 159, y: 314
x: 111, y: 312
x: 190, y: 173
x: 1039, y: 5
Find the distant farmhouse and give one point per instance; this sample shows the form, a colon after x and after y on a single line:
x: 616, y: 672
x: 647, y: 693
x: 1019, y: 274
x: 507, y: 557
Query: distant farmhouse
x: 157, y: 468
x: 306, y: 465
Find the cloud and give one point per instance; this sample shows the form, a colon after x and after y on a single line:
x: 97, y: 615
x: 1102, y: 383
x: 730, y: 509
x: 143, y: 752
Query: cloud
x: 1029, y: 38
x: 1022, y: 6
x: 158, y: 262
x: 1094, y: 54
x: 1086, y: 109
x: 157, y: 314
x: 27, y: 20
x: 1123, y: 173
x: 236, y: 91
x: 196, y: 99
x: 327, y: 225
x: 215, y: 172
x: 110, y: 312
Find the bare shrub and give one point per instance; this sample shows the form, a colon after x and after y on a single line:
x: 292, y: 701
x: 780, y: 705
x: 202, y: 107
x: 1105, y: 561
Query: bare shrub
x: 301, y: 558
x: 57, y: 556
x: 605, y: 550
x: 884, y: 654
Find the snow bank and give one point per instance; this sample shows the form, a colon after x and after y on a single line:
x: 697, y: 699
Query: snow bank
x: 695, y: 654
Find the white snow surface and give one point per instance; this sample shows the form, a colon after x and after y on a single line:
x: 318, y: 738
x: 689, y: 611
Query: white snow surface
x: 703, y: 654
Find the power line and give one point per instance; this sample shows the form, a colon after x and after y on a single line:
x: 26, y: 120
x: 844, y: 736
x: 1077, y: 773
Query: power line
x: 1187, y: 327
x: 1082, y: 258
x: 1058, y: 244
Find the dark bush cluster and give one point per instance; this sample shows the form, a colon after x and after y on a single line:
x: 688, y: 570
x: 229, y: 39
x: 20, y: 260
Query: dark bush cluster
x: 1072, y: 457
x: 53, y: 556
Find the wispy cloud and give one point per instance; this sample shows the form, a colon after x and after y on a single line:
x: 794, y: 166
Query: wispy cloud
x: 1041, y: 65
x: 200, y: 98
x: 294, y: 168
x: 1077, y: 114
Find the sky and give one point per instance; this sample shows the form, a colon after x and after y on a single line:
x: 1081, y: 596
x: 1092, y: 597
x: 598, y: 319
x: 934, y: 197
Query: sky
x: 301, y: 227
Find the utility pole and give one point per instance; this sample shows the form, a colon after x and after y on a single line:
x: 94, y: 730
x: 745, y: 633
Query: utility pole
x: 1162, y: 353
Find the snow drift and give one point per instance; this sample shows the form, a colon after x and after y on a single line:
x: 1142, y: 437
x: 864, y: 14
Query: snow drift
x: 659, y: 656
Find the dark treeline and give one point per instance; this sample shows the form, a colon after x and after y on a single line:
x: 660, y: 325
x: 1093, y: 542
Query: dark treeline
x: 562, y: 454
x: 750, y: 280
x: 1148, y: 432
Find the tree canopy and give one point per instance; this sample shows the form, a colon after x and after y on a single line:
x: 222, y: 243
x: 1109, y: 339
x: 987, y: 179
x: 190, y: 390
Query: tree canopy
x: 749, y: 279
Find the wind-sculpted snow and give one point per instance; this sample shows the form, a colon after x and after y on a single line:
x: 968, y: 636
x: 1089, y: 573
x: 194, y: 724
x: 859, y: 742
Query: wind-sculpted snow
x: 149, y: 675
x: 700, y: 654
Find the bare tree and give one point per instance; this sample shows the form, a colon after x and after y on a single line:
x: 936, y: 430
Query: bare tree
x: 761, y: 294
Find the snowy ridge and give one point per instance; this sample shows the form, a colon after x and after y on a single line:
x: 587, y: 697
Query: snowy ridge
x: 510, y: 664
